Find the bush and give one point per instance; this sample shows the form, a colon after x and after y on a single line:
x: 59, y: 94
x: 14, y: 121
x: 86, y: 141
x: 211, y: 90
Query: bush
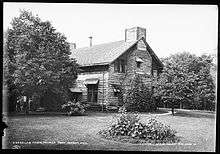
x: 74, y: 108
x: 159, y: 132
x: 139, y: 97
x: 128, y: 125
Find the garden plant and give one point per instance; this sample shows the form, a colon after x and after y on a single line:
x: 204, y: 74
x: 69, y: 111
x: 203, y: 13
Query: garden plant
x: 129, y: 129
x: 74, y: 108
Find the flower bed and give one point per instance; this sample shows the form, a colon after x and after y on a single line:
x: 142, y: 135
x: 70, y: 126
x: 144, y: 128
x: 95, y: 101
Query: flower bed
x: 129, y: 129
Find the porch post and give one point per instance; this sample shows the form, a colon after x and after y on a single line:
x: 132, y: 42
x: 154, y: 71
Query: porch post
x: 103, y: 93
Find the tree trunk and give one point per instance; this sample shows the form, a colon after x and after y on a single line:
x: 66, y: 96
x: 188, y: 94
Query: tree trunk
x: 172, y: 106
x: 172, y: 110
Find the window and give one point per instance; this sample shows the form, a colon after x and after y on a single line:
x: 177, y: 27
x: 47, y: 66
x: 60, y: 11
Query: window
x: 116, y: 90
x: 138, y: 64
x: 155, y: 73
x: 119, y: 66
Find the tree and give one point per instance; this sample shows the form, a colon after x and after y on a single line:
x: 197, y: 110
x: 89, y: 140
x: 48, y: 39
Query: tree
x: 205, y: 94
x: 9, y: 87
x: 40, y: 57
x: 182, y: 81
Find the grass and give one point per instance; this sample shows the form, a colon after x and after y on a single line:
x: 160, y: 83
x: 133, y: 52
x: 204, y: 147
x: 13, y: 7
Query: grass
x: 80, y: 132
x: 129, y: 139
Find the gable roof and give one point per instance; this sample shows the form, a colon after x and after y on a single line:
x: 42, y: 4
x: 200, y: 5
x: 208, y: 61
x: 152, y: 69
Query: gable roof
x: 100, y: 54
x: 153, y: 54
x: 103, y: 54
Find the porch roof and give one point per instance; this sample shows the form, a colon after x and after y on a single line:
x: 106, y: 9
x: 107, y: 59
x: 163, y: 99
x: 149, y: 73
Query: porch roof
x: 76, y: 90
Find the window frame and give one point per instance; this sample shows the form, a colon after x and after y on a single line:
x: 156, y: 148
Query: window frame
x: 120, y: 66
x: 138, y: 64
x: 92, y: 93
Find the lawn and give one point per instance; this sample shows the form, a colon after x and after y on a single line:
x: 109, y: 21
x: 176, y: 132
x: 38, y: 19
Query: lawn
x: 197, y: 131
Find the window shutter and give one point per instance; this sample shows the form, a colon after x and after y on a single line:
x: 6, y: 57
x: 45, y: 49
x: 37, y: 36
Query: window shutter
x: 119, y: 65
x: 116, y: 66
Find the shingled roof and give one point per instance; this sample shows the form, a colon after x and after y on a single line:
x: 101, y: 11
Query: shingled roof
x: 103, y: 54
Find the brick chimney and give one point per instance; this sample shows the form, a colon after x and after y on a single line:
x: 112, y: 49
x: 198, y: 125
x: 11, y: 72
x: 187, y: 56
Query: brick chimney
x: 135, y: 33
x: 90, y: 39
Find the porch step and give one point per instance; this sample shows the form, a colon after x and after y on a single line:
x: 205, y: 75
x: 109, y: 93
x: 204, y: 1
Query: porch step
x: 111, y: 108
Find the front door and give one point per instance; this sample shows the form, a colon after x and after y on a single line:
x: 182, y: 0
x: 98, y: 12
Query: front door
x: 92, y: 93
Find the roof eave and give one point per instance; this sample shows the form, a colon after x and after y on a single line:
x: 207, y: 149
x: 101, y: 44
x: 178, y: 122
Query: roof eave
x: 94, y: 64
x: 152, y: 52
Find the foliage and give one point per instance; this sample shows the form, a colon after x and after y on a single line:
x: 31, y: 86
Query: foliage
x: 37, y: 58
x: 74, y: 108
x: 12, y: 91
x: 205, y: 94
x: 128, y: 125
x: 186, y: 80
x: 139, y: 97
x: 160, y: 132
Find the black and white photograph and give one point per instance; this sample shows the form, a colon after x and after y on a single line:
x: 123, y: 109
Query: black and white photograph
x: 110, y: 77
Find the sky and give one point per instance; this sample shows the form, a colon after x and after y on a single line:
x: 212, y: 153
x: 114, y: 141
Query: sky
x: 169, y: 28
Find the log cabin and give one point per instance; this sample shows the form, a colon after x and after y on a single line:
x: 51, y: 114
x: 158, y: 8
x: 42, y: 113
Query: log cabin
x: 105, y: 67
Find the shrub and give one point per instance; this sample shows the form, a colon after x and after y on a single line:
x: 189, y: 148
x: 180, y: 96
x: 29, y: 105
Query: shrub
x: 74, y: 108
x: 139, y: 97
x: 159, y: 132
x: 124, y: 123
x: 128, y: 125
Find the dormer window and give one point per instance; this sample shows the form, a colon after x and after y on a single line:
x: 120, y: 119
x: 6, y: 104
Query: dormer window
x: 119, y: 66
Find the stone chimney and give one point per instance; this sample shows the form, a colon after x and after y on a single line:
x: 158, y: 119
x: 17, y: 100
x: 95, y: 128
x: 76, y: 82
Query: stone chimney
x: 135, y: 33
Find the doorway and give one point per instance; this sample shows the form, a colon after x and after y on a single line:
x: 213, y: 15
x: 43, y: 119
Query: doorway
x: 92, y: 93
